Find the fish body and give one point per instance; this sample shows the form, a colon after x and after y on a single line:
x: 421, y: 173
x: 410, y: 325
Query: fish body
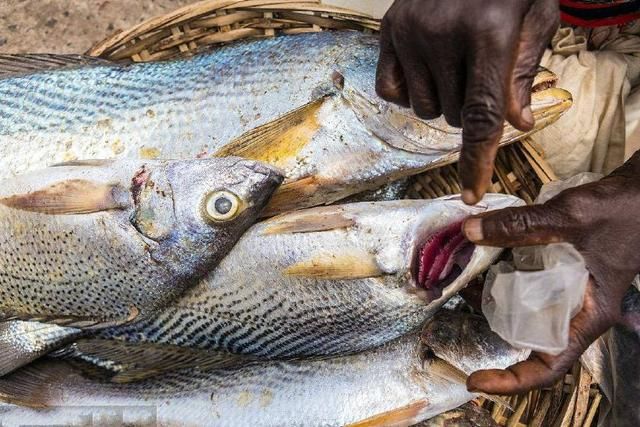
x: 395, y: 382
x: 107, y: 241
x: 324, y: 281
x: 304, y: 103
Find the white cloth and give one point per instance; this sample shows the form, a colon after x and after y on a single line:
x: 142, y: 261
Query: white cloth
x: 592, y: 135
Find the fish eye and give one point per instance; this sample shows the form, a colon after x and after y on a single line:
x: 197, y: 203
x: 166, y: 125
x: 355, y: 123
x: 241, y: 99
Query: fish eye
x: 222, y: 206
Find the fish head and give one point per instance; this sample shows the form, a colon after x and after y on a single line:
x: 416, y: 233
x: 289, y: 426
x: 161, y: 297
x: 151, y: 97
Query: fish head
x: 197, y: 209
x: 400, y: 128
x: 432, y: 258
x: 467, y: 342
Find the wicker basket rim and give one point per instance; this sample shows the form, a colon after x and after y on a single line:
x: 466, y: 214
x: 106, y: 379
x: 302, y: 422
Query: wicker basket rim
x: 201, y: 8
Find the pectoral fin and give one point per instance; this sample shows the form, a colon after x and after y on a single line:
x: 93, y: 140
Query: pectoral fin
x: 122, y: 362
x: 70, y: 197
x: 34, y: 386
x: 448, y: 372
x: 23, y: 342
x: 404, y: 416
x: 308, y: 221
x: 337, y: 266
x: 23, y: 64
x: 84, y: 163
x: 278, y: 141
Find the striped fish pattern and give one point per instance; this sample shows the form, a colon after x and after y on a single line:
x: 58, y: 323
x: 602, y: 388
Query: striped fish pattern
x: 331, y: 291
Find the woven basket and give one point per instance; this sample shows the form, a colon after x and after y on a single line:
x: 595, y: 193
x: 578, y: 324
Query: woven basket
x: 520, y: 168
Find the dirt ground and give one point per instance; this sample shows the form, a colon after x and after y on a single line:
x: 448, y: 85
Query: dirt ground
x: 73, y: 26
x: 70, y: 26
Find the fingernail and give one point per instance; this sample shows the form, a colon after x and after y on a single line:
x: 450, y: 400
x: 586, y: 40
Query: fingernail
x: 473, y: 229
x: 469, y: 197
x: 527, y: 116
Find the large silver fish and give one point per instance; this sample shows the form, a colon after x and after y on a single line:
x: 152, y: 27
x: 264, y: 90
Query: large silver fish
x: 98, y: 242
x: 399, y: 384
x: 327, y: 281
x: 305, y: 103
x: 318, y: 282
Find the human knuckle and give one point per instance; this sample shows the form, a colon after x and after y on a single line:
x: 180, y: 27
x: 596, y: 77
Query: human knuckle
x: 482, y: 120
x: 572, y: 206
x: 516, y: 221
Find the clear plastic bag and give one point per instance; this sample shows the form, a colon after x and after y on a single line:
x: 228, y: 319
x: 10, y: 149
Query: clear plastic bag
x: 532, y: 309
x: 531, y: 301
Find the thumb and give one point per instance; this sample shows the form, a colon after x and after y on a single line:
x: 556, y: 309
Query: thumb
x: 514, y: 227
x: 538, y: 28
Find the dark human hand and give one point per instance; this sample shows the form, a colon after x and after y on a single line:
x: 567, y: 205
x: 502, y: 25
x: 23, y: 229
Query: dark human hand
x: 601, y: 220
x: 474, y: 61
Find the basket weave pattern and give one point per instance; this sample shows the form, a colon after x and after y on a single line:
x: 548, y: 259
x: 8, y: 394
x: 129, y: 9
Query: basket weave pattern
x: 520, y: 168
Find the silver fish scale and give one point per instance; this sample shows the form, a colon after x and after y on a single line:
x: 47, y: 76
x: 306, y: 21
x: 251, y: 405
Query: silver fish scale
x: 251, y: 305
x: 183, y: 107
x: 36, y: 254
x: 133, y: 256
x: 301, y: 393
x: 313, y: 325
x: 311, y: 392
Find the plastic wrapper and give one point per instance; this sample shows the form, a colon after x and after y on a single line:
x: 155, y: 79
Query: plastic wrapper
x: 530, y: 302
x: 533, y: 309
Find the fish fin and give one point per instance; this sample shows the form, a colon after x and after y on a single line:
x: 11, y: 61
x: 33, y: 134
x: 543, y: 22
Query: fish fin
x: 84, y: 163
x: 22, y: 64
x: 289, y: 195
x: 309, y: 221
x: 337, y: 266
x: 77, y: 322
x: 33, y: 386
x: 448, y: 372
x: 69, y: 197
x: 279, y: 140
x: 23, y: 342
x: 122, y: 362
x: 408, y: 415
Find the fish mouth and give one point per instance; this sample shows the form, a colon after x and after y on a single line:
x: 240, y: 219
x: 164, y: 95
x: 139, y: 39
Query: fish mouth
x: 439, y: 259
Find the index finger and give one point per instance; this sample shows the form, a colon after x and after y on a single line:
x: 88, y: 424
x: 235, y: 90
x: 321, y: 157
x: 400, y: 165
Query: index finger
x: 391, y: 83
x: 488, y: 76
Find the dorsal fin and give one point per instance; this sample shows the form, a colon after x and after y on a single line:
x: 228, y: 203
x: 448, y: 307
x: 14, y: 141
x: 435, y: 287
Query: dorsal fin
x: 21, y: 64
x: 84, y: 323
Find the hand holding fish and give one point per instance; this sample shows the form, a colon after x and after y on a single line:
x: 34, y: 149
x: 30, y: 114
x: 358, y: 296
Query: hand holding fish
x: 601, y: 220
x: 474, y: 61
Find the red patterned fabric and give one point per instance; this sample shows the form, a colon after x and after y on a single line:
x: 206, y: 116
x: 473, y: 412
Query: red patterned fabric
x: 586, y: 13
